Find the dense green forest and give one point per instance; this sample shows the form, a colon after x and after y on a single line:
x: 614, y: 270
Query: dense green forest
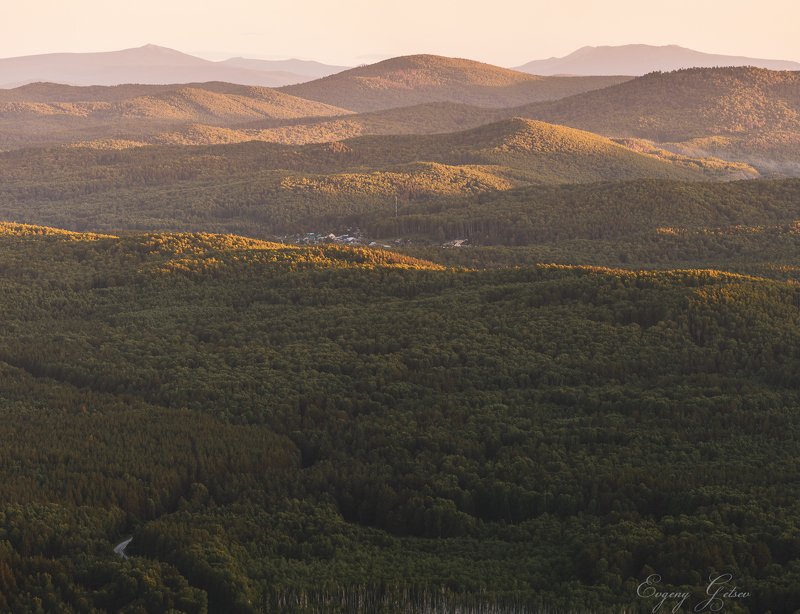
x: 599, y: 211
x: 330, y: 429
x: 472, y: 192
x: 747, y: 226
x: 265, y: 189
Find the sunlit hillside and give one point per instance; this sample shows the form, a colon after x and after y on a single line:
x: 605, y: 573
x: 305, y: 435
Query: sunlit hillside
x: 428, y: 118
x: 418, y: 79
x: 139, y: 113
x: 740, y: 113
x: 264, y: 188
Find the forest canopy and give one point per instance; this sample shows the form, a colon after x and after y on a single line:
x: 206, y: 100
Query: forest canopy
x: 313, y: 427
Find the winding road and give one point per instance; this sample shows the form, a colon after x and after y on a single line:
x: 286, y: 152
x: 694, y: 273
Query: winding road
x: 120, y: 547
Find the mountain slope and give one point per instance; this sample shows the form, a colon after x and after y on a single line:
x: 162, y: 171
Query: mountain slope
x: 147, y: 64
x: 641, y: 59
x: 429, y: 118
x: 540, y: 152
x: 194, y: 104
x: 52, y: 113
x: 418, y: 79
x: 34, y: 115
x: 749, y: 114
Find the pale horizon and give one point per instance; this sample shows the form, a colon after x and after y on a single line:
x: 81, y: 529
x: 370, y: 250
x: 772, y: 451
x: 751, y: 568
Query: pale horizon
x: 356, y: 32
x: 218, y: 56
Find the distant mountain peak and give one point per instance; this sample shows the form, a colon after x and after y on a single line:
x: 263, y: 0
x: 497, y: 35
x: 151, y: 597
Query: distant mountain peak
x: 150, y: 47
x: 152, y: 64
x: 639, y: 59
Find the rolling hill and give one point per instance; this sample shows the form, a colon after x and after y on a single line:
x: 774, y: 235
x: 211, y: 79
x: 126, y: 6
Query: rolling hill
x: 47, y: 114
x: 418, y: 79
x: 201, y: 104
x: 266, y: 188
x: 539, y: 152
x: 745, y: 114
x: 205, y: 113
x: 162, y: 117
x: 152, y: 64
x: 638, y: 60
x: 428, y: 118
x: 748, y: 114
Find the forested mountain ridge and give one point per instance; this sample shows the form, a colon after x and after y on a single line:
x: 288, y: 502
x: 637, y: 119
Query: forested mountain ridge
x: 607, y: 210
x: 419, y: 79
x: 745, y: 226
x: 200, y: 113
x: 138, y: 115
x: 740, y: 114
x: 192, y: 102
x: 744, y: 113
x: 46, y: 115
x: 314, y: 428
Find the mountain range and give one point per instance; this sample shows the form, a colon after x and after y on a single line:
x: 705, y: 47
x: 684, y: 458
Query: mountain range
x: 641, y: 59
x: 155, y: 65
x: 739, y: 114
x: 414, y: 94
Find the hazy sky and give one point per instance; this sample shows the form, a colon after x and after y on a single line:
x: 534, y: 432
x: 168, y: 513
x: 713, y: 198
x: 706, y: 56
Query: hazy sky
x: 505, y: 32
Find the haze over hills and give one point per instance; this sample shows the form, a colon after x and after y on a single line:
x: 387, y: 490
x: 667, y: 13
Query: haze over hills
x: 418, y: 79
x: 427, y: 118
x: 152, y: 64
x: 306, y: 68
x: 642, y: 59
x: 191, y: 104
x: 127, y: 115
